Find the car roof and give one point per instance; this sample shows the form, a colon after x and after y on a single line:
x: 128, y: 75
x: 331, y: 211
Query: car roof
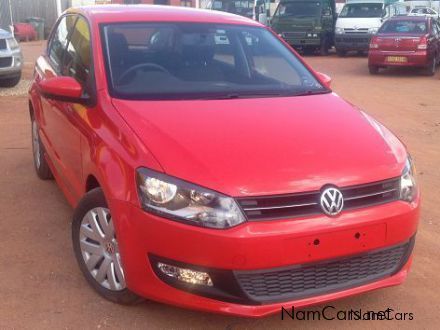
x: 155, y: 13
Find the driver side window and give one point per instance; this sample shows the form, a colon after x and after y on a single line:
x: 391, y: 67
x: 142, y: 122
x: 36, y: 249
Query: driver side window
x: 77, y: 59
x: 58, y: 43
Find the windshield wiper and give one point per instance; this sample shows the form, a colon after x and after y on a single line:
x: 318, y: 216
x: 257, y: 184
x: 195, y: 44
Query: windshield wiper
x: 242, y: 96
x: 312, y: 92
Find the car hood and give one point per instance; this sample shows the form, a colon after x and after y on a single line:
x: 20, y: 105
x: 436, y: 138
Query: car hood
x: 265, y: 146
x: 359, y: 23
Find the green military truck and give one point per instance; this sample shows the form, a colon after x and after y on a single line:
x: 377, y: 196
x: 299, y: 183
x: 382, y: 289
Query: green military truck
x: 306, y: 24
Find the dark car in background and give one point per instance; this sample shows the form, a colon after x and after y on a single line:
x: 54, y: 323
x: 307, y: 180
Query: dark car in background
x: 409, y: 41
x: 11, y: 60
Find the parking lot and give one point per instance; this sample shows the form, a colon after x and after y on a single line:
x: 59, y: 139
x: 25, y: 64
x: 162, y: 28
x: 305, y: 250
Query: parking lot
x: 41, y: 285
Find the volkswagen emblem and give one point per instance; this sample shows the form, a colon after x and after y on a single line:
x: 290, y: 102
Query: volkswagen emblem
x: 332, y: 201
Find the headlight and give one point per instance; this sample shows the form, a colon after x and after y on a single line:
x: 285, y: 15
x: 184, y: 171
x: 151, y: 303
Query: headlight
x: 373, y: 30
x: 183, y: 201
x: 13, y: 44
x: 339, y: 30
x: 408, y: 186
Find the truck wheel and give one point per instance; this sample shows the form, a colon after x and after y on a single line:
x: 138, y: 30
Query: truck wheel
x: 40, y: 163
x: 323, y: 49
x: 373, y: 69
x: 341, y: 52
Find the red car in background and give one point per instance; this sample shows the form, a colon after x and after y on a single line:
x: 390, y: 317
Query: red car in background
x: 24, y: 32
x: 406, y: 42
x: 211, y: 168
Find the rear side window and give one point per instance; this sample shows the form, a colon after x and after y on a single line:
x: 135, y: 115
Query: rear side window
x: 77, y: 58
x: 58, y: 43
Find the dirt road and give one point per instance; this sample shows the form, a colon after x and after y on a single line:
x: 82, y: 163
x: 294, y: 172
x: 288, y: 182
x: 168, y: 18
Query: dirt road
x: 41, y: 285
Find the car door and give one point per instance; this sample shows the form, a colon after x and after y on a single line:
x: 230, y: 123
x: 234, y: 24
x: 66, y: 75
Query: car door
x: 64, y: 118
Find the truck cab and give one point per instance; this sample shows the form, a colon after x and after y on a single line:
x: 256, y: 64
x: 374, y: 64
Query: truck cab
x: 305, y: 24
x: 359, y: 20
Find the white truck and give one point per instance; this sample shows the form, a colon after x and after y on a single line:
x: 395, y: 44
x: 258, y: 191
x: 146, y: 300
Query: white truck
x: 359, y: 20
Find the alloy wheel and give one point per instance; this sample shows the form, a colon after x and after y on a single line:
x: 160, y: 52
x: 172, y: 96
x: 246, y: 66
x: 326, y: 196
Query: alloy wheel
x: 99, y: 249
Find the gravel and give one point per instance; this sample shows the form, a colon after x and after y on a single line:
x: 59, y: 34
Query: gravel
x: 19, y: 90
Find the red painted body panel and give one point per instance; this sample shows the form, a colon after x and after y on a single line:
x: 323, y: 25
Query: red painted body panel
x: 264, y: 146
x: 238, y: 147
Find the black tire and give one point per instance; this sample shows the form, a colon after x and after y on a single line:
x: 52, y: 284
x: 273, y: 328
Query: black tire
x: 373, y: 69
x: 95, y: 199
x: 341, y: 52
x: 430, y: 69
x: 323, y: 49
x: 40, y: 164
x: 10, y: 82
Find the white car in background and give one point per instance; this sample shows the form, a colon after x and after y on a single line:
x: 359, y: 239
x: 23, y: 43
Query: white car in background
x: 424, y: 11
x: 11, y: 60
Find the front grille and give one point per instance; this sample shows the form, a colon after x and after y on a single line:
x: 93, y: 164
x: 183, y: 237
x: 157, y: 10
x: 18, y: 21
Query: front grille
x: 2, y: 43
x: 5, y: 62
x: 294, y: 35
x: 303, y: 204
x: 307, y: 280
x: 357, y: 39
x: 356, y: 31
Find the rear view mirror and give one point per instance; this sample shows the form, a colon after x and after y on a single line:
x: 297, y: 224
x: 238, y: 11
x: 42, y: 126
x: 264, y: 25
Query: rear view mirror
x: 325, y: 79
x: 65, y: 89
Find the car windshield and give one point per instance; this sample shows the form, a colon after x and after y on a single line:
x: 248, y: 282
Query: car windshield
x: 408, y: 26
x: 298, y: 9
x: 362, y: 10
x: 244, y: 8
x: 195, y: 60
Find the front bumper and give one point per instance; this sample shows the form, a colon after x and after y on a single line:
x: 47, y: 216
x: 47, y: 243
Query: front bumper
x: 256, y: 246
x: 418, y: 58
x: 301, y: 39
x: 353, y: 41
x: 10, y: 64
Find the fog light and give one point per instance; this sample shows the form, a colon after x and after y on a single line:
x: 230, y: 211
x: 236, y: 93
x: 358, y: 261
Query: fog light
x: 185, y: 275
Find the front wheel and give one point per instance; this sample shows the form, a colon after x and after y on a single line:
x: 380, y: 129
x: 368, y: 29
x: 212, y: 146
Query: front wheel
x: 10, y: 82
x: 96, y: 249
x: 40, y: 163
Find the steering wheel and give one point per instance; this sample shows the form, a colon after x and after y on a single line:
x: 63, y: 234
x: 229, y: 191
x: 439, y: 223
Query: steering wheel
x: 139, y: 67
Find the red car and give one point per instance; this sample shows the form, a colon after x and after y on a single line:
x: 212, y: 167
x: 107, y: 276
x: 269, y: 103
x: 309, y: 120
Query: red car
x: 407, y: 41
x: 211, y: 168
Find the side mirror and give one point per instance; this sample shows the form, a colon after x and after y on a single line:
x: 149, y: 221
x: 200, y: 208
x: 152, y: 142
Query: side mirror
x: 65, y: 89
x: 325, y: 79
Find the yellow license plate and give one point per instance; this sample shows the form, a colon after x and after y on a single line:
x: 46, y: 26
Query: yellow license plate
x: 397, y: 59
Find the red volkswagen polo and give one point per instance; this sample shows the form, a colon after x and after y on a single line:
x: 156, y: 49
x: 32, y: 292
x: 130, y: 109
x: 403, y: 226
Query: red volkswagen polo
x: 406, y: 41
x: 211, y: 168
